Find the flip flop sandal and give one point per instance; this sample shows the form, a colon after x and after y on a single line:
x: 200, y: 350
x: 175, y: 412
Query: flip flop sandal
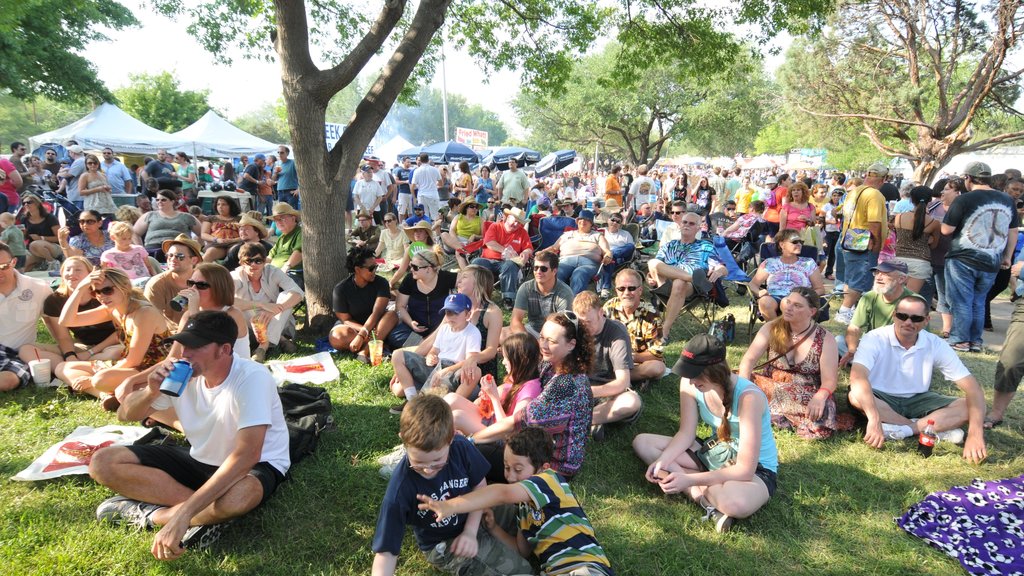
x: 990, y: 424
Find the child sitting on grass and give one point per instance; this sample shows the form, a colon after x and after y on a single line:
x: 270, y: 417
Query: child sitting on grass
x: 443, y: 465
x: 128, y: 257
x: 14, y: 238
x: 552, y: 525
x: 437, y: 359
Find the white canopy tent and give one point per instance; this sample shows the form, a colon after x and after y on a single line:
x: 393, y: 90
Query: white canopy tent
x: 214, y: 137
x: 389, y: 151
x: 108, y: 125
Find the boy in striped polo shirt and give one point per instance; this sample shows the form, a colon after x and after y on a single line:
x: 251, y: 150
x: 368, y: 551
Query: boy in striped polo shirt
x: 552, y: 525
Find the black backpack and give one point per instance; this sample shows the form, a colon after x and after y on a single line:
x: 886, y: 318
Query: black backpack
x: 307, y: 412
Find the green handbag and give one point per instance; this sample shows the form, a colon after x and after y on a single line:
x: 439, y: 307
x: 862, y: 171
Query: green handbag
x: 714, y: 454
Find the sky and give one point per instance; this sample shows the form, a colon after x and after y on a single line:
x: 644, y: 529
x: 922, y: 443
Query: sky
x: 160, y: 44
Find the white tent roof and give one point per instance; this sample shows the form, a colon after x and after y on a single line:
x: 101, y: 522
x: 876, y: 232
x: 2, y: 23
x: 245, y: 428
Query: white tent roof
x: 388, y: 152
x: 108, y: 125
x: 213, y: 136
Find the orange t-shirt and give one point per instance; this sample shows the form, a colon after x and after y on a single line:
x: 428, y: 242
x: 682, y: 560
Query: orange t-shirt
x: 612, y: 189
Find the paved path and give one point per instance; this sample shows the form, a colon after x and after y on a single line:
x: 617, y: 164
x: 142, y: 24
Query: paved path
x: 1002, y: 309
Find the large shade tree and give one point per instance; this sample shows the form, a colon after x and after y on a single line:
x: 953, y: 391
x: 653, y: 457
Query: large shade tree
x: 323, y: 45
x: 159, y: 101
x: 923, y: 80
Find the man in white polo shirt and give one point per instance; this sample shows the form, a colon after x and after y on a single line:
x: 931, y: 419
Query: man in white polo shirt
x: 21, y: 305
x: 891, y: 378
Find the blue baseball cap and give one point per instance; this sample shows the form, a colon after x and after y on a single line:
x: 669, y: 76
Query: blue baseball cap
x: 587, y: 215
x: 457, y: 303
x: 259, y: 157
x: 418, y: 207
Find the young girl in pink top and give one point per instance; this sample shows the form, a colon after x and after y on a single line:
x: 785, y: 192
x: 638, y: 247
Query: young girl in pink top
x: 131, y: 258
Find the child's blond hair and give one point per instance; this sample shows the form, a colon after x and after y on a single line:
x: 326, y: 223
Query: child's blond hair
x: 120, y: 230
x: 6, y: 219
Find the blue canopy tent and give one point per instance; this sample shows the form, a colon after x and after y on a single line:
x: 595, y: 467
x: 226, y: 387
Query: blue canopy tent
x: 410, y: 153
x: 554, y: 162
x: 523, y: 156
x: 450, y: 152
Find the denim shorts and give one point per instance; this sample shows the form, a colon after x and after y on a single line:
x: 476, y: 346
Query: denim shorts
x: 858, y: 267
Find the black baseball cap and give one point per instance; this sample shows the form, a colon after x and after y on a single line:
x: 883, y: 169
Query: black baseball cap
x: 206, y: 327
x: 701, y: 351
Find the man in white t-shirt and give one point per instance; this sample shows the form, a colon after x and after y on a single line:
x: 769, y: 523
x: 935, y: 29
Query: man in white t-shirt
x: 643, y: 190
x: 367, y: 194
x: 231, y: 414
x: 891, y: 378
x: 21, y: 305
x: 424, y: 186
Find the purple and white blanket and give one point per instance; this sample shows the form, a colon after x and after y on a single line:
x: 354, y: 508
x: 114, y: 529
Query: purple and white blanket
x: 981, y: 525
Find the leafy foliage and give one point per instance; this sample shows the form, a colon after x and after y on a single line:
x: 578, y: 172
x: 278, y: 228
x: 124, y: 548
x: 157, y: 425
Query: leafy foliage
x: 269, y: 122
x: 41, y: 45
x: 423, y: 123
x: 20, y: 119
x: 158, y: 101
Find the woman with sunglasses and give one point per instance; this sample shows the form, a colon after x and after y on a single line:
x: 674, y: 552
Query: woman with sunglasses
x: 802, y: 370
x: 211, y: 287
x: 41, y: 231
x: 421, y: 238
x: 420, y: 299
x: 727, y: 484
x: 220, y: 231
x: 563, y: 407
x: 91, y: 243
x: 777, y: 276
x: 797, y: 213
x: 361, y: 305
x: 84, y: 343
x: 95, y: 189
x: 393, y: 243
x: 141, y: 328
x: 165, y: 223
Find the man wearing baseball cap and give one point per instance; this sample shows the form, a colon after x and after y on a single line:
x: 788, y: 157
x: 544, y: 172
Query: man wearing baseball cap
x: 252, y: 174
x: 984, y: 226
x: 437, y: 360
x: 875, y: 307
x: 865, y: 228
x: 231, y: 415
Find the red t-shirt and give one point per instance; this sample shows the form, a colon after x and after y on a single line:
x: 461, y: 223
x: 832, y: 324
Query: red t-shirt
x: 7, y: 187
x: 518, y: 240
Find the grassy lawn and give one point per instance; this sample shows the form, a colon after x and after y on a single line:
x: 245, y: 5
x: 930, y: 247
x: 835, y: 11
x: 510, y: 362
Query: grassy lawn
x: 833, y: 513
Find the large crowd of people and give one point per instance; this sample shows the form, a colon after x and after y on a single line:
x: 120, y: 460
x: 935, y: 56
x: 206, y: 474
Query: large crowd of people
x: 593, y: 271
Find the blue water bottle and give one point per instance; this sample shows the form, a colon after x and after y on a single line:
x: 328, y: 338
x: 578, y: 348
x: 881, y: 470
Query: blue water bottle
x: 180, y: 374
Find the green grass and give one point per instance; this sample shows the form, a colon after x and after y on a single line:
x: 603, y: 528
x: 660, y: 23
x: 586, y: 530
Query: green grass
x: 833, y: 513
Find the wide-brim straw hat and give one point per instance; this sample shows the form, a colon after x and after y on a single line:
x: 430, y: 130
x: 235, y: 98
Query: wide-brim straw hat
x: 261, y: 230
x: 466, y: 205
x: 518, y: 213
x: 421, y: 225
x: 284, y: 209
x: 184, y: 241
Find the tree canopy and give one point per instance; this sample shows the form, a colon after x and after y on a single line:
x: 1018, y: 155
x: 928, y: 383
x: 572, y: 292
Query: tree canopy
x: 158, y: 101
x: 41, y: 45
x: 423, y: 122
x: 21, y: 119
x: 922, y: 80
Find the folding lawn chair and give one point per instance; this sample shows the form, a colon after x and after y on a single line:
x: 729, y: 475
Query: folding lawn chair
x: 771, y: 250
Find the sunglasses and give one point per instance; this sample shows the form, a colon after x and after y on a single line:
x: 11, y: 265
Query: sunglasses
x: 387, y: 220
x: 87, y: 221
x: 627, y: 288
x: 678, y: 212
x: 176, y: 257
x: 91, y: 163
x: 372, y: 267
x: 912, y: 317
x: 541, y: 268
x: 105, y: 291
x: 572, y: 317
x: 615, y: 221
x: 799, y: 241
x: 416, y: 268
x: 7, y: 265
x: 198, y: 284
x: 253, y: 261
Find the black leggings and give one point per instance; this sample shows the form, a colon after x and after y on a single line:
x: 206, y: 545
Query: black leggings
x: 1002, y: 281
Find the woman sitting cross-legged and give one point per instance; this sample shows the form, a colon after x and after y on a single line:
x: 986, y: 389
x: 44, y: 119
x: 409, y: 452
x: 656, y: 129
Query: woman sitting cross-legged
x: 268, y: 296
x: 85, y: 343
x: 141, y: 328
x: 361, y: 305
x: 733, y: 475
x: 775, y: 277
x: 801, y: 370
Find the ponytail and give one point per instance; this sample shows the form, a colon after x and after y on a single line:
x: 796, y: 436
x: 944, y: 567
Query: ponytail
x: 721, y: 375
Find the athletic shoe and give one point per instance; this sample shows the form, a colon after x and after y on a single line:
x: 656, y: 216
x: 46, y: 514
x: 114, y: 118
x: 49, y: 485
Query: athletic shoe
x: 845, y: 317
x: 700, y: 281
x: 397, y: 408
x: 390, y: 461
x: 955, y: 436
x: 897, y: 431
x: 961, y: 347
x: 121, y: 510
x: 597, y: 432
x: 722, y: 522
x: 200, y: 537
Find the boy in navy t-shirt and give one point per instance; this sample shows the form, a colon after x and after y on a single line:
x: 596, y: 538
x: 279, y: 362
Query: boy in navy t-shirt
x: 442, y: 466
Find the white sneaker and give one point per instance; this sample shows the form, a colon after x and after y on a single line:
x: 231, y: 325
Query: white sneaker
x: 897, y: 431
x: 390, y: 461
x: 956, y: 435
x: 845, y: 317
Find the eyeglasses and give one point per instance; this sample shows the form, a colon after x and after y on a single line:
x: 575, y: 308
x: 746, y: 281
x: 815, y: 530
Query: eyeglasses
x: 105, y: 291
x: 429, y: 468
x: 674, y: 212
x: 87, y: 221
x: 253, y: 261
x: 7, y: 265
x: 416, y: 268
x: 627, y: 288
x: 387, y: 220
x: 178, y: 257
x: 198, y: 284
x: 912, y: 317
x: 541, y: 268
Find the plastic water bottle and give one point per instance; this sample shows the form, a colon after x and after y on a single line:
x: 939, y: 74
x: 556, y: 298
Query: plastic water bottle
x: 927, y: 439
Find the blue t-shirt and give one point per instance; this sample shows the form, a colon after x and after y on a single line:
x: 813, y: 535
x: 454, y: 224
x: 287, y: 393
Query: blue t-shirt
x: 414, y: 219
x: 769, y: 454
x: 486, y: 191
x: 287, y: 179
x: 403, y: 174
x: 465, y: 469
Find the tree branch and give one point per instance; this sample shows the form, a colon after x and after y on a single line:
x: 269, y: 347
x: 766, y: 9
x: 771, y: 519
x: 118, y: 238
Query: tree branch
x: 990, y: 142
x: 859, y: 116
x: 334, y: 79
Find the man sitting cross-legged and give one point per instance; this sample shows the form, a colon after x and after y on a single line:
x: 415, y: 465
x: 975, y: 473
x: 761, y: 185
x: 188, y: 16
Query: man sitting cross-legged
x: 891, y: 377
x: 642, y: 322
x: 231, y: 415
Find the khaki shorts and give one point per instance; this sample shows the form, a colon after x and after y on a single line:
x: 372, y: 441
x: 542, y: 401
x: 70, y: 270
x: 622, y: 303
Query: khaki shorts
x: 916, y: 406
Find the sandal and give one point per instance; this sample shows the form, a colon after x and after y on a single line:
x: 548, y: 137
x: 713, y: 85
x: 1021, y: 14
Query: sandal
x: 992, y: 423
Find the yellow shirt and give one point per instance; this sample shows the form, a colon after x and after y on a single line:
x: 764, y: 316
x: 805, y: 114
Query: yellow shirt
x: 864, y: 206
